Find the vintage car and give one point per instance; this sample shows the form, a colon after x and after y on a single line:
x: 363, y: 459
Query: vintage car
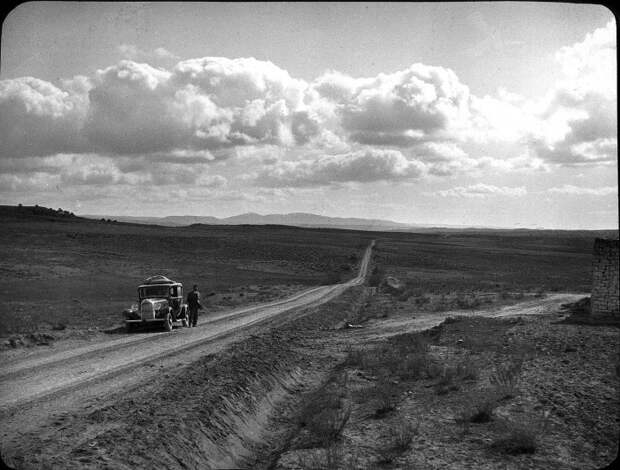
x: 160, y: 300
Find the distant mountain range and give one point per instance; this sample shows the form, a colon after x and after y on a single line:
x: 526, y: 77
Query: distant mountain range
x: 296, y: 219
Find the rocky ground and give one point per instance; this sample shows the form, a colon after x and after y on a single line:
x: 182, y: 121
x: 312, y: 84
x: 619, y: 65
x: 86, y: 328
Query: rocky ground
x: 347, y: 386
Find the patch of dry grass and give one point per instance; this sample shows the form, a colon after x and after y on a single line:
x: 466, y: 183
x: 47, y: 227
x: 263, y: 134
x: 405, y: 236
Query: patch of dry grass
x: 400, y: 437
x: 333, y: 457
x: 402, y: 357
x: 327, y: 410
x: 450, y: 377
x: 521, y: 437
x: 479, y: 407
x: 506, y: 376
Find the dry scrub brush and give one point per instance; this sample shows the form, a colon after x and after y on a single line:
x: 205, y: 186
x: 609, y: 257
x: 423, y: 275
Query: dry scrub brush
x: 479, y: 408
x: 521, y: 436
x: 402, y: 357
x: 327, y: 410
x: 451, y: 376
x: 401, y: 435
x: 331, y: 458
x: 506, y: 376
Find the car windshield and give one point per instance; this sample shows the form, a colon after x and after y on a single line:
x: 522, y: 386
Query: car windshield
x: 154, y: 291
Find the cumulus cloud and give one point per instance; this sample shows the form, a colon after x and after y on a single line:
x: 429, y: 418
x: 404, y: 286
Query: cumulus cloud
x: 135, y: 122
x: 130, y: 111
x: 579, y: 116
x: 27, y: 182
x: 481, y: 190
x: 360, y: 166
x: 135, y: 108
x: 39, y: 118
x: 400, y: 108
x: 581, y: 191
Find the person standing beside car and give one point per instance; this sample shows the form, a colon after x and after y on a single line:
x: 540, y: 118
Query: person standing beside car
x: 193, y: 303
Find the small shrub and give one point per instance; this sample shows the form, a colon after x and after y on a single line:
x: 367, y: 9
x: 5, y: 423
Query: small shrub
x: 327, y: 411
x: 331, y: 458
x: 465, y: 369
x: 518, y: 441
x: 447, y: 381
x: 480, y: 408
x: 506, y: 377
x: 403, y: 357
x: 483, y: 412
x: 386, y: 396
x: 403, y: 434
x: 522, y: 437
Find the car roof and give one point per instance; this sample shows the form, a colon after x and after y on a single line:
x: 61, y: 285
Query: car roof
x: 159, y: 280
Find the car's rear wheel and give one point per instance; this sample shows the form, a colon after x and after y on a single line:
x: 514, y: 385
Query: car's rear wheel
x: 185, y: 320
x: 130, y: 327
x: 168, y: 322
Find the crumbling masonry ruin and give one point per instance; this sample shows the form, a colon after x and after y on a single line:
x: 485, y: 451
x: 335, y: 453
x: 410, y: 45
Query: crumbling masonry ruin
x: 605, y: 277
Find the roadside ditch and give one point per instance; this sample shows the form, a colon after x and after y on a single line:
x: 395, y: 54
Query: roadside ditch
x: 218, y: 412
x: 315, y: 391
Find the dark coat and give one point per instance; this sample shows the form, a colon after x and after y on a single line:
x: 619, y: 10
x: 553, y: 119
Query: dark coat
x: 193, y: 300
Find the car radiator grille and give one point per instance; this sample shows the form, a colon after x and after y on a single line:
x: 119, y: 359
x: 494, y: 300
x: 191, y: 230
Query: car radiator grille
x: 146, y: 311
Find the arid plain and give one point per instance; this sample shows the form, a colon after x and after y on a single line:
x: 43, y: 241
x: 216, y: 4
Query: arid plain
x: 451, y: 349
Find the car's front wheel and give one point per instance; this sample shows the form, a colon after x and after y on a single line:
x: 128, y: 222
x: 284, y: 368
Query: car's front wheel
x: 168, y: 322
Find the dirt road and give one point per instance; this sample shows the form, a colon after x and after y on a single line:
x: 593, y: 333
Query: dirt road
x: 67, y: 378
x: 405, y: 323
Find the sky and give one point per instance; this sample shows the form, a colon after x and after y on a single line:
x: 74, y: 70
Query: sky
x: 474, y: 113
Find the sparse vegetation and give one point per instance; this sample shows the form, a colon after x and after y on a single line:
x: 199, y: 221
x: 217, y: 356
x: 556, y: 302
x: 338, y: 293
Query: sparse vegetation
x: 327, y: 411
x: 331, y: 458
x: 385, y: 394
x: 100, y: 263
x: 401, y: 435
x: 505, y: 377
x: 479, y: 407
x: 521, y: 437
x: 431, y: 376
x: 404, y: 357
x: 447, y: 381
x: 376, y: 276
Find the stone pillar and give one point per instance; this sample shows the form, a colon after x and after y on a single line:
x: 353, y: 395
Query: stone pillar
x: 605, y: 294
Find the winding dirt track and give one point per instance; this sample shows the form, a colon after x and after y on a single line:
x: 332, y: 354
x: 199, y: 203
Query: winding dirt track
x: 64, y: 379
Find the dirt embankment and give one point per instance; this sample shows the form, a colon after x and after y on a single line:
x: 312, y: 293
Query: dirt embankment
x: 474, y: 392
x: 351, y: 384
x: 214, y: 413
